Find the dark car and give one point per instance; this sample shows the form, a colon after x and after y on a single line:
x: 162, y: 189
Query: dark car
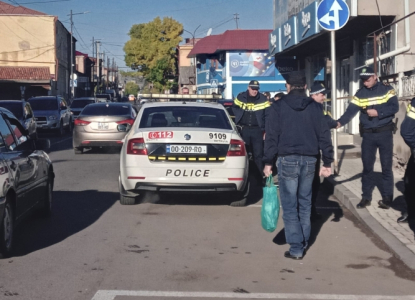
x: 51, y: 113
x: 78, y: 105
x: 26, y: 177
x: 103, y: 97
x: 23, y: 112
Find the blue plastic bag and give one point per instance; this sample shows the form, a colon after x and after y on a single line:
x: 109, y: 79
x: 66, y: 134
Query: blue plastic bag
x: 270, y: 209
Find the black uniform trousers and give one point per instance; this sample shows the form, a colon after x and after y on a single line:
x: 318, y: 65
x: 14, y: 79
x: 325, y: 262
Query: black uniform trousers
x: 371, y: 142
x: 253, y: 138
x: 409, y: 180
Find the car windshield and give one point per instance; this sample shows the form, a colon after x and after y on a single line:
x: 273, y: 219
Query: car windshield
x: 15, y: 108
x: 106, y: 110
x: 174, y: 116
x: 81, y: 103
x: 44, y: 104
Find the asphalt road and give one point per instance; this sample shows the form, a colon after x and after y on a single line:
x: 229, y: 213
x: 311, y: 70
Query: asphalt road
x: 185, y: 246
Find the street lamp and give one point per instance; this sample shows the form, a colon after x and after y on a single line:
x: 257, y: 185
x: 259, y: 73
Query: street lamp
x: 193, y: 43
x: 72, y: 65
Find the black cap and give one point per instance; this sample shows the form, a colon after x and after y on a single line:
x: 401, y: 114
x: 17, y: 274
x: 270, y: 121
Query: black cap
x: 254, y: 84
x: 366, y: 73
x: 296, y: 78
x: 318, y: 88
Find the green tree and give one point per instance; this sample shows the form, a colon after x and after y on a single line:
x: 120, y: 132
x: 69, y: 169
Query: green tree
x: 131, y: 88
x: 153, y: 45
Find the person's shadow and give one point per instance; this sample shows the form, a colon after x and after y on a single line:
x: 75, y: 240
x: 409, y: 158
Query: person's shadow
x: 328, y: 209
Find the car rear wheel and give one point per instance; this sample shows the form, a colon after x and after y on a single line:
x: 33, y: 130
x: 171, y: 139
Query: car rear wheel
x: 47, y: 204
x: 241, y: 198
x: 78, y: 150
x: 125, y: 200
x: 7, y: 230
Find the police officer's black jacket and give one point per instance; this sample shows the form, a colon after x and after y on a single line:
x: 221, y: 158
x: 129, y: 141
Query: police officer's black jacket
x: 380, y: 97
x: 330, y: 122
x: 296, y: 126
x: 260, y: 106
x: 408, y: 125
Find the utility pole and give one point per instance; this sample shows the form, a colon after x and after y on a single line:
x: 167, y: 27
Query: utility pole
x: 98, y: 64
x: 236, y: 19
x: 194, y: 61
x: 72, y: 50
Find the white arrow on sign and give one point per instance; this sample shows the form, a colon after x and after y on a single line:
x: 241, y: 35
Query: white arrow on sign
x: 336, y: 19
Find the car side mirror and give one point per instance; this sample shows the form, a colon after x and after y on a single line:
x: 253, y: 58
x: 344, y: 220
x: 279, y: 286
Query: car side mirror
x: 42, y: 144
x: 124, y: 127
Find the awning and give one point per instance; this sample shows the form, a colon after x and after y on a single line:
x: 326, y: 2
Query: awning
x: 29, y: 75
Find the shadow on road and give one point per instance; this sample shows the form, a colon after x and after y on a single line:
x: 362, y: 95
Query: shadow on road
x: 72, y: 213
x: 328, y: 209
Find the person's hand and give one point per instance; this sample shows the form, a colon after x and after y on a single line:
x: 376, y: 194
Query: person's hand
x: 263, y: 136
x: 324, y: 171
x: 338, y: 125
x: 372, y: 112
x: 267, y: 170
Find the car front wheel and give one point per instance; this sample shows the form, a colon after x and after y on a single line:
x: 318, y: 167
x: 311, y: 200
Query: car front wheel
x: 7, y: 230
x: 47, y: 204
x: 61, y: 130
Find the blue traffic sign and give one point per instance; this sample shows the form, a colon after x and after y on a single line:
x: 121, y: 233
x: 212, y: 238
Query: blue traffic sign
x: 333, y: 14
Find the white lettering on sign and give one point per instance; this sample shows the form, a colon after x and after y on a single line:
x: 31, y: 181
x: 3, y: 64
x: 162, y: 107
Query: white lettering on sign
x: 287, y: 29
x: 306, y: 19
x: 234, y: 63
x: 273, y: 39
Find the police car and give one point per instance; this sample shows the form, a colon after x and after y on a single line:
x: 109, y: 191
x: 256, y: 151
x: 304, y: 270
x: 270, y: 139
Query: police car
x: 180, y: 145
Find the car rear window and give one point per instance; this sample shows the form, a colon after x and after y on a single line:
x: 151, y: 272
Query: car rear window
x: 173, y: 116
x: 44, y: 104
x: 81, y: 103
x: 15, y: 108
x: 104, y: 96
x: 106, y: 110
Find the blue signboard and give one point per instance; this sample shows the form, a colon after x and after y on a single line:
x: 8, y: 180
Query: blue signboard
x: 289, y: 33
x: 307, y: 22
x: 274, y: 41
x: 332, y: 14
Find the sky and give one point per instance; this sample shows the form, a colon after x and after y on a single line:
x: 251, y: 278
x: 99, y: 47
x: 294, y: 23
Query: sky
x: 110, y: 20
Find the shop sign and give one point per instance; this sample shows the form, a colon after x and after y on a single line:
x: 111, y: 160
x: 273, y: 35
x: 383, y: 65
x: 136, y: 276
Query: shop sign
x: 307, y: 22
x: 289, y: 33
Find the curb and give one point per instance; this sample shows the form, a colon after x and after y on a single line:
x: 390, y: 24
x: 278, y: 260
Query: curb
x: 350, y: 200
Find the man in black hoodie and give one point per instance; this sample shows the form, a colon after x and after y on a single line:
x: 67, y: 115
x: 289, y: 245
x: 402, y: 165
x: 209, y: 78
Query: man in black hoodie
x: 296, y: 131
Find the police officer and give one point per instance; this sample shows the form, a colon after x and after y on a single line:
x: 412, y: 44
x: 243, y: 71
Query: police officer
x: 318, y: 92
x: 408, y: 134
x: 377, y: 104
x: 250, y: 109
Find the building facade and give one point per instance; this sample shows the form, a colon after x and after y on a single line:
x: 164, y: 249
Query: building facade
x: 378, y: 36
x: 35, y: 54
x: 227, y: 62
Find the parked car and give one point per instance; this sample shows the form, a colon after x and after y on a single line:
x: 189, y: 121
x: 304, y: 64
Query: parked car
x: 183, y: 146
x: 78, y: 105
x: 23, y: 112
x: 113, y: 94
x: 51, y: 113
x: 26, y: 177
x: 103, y: 97
x: 102, y: 125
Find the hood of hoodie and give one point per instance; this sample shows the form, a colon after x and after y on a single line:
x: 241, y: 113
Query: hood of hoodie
x: 297, y: 100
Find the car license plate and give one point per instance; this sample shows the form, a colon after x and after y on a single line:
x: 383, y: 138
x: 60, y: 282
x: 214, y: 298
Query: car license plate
x: 189, y: 149
x: 102, y: 126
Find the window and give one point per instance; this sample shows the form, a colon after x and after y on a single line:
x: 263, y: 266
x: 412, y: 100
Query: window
x: 7, y: 142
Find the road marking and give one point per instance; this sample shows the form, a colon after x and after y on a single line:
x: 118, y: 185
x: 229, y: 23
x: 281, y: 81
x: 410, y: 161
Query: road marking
x: 61, y: 141
x: 111, y: 294
x: 318, y: 207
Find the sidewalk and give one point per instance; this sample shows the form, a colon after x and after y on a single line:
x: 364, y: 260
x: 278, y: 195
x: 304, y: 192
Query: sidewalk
x: 348, y: 189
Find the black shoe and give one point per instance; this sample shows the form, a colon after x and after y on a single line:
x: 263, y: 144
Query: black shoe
x: 403, y: 219
x: 385, y: 203
x: 287, y: 254
x: 363, y: 203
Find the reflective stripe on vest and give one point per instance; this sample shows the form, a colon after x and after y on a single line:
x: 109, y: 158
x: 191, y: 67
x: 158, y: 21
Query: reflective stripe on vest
x: 410, y: 111
x: 363, y: 103
x: 251, y: 106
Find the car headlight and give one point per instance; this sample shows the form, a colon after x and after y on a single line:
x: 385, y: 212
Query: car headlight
x: 71, y: 112
x: 52, y: 118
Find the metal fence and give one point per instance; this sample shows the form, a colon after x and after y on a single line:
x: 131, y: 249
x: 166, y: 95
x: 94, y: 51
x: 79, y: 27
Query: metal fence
x: 408, y: 86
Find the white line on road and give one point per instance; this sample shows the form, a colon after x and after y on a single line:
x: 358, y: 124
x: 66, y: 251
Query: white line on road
x: 61, y: 141
x: 318, y: 207
x: 111, y: 294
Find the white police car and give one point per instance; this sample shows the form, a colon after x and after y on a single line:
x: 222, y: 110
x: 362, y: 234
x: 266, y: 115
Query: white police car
x: 183, y: 146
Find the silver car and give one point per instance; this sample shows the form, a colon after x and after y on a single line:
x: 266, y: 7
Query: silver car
x: 102, y: 125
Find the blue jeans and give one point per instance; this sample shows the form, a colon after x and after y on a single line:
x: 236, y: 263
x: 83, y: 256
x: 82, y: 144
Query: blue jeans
x: 371, y: 142
x: 295, y: 177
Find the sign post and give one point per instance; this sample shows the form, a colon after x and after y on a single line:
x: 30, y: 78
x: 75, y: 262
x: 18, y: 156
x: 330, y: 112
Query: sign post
x: 333, y: 15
